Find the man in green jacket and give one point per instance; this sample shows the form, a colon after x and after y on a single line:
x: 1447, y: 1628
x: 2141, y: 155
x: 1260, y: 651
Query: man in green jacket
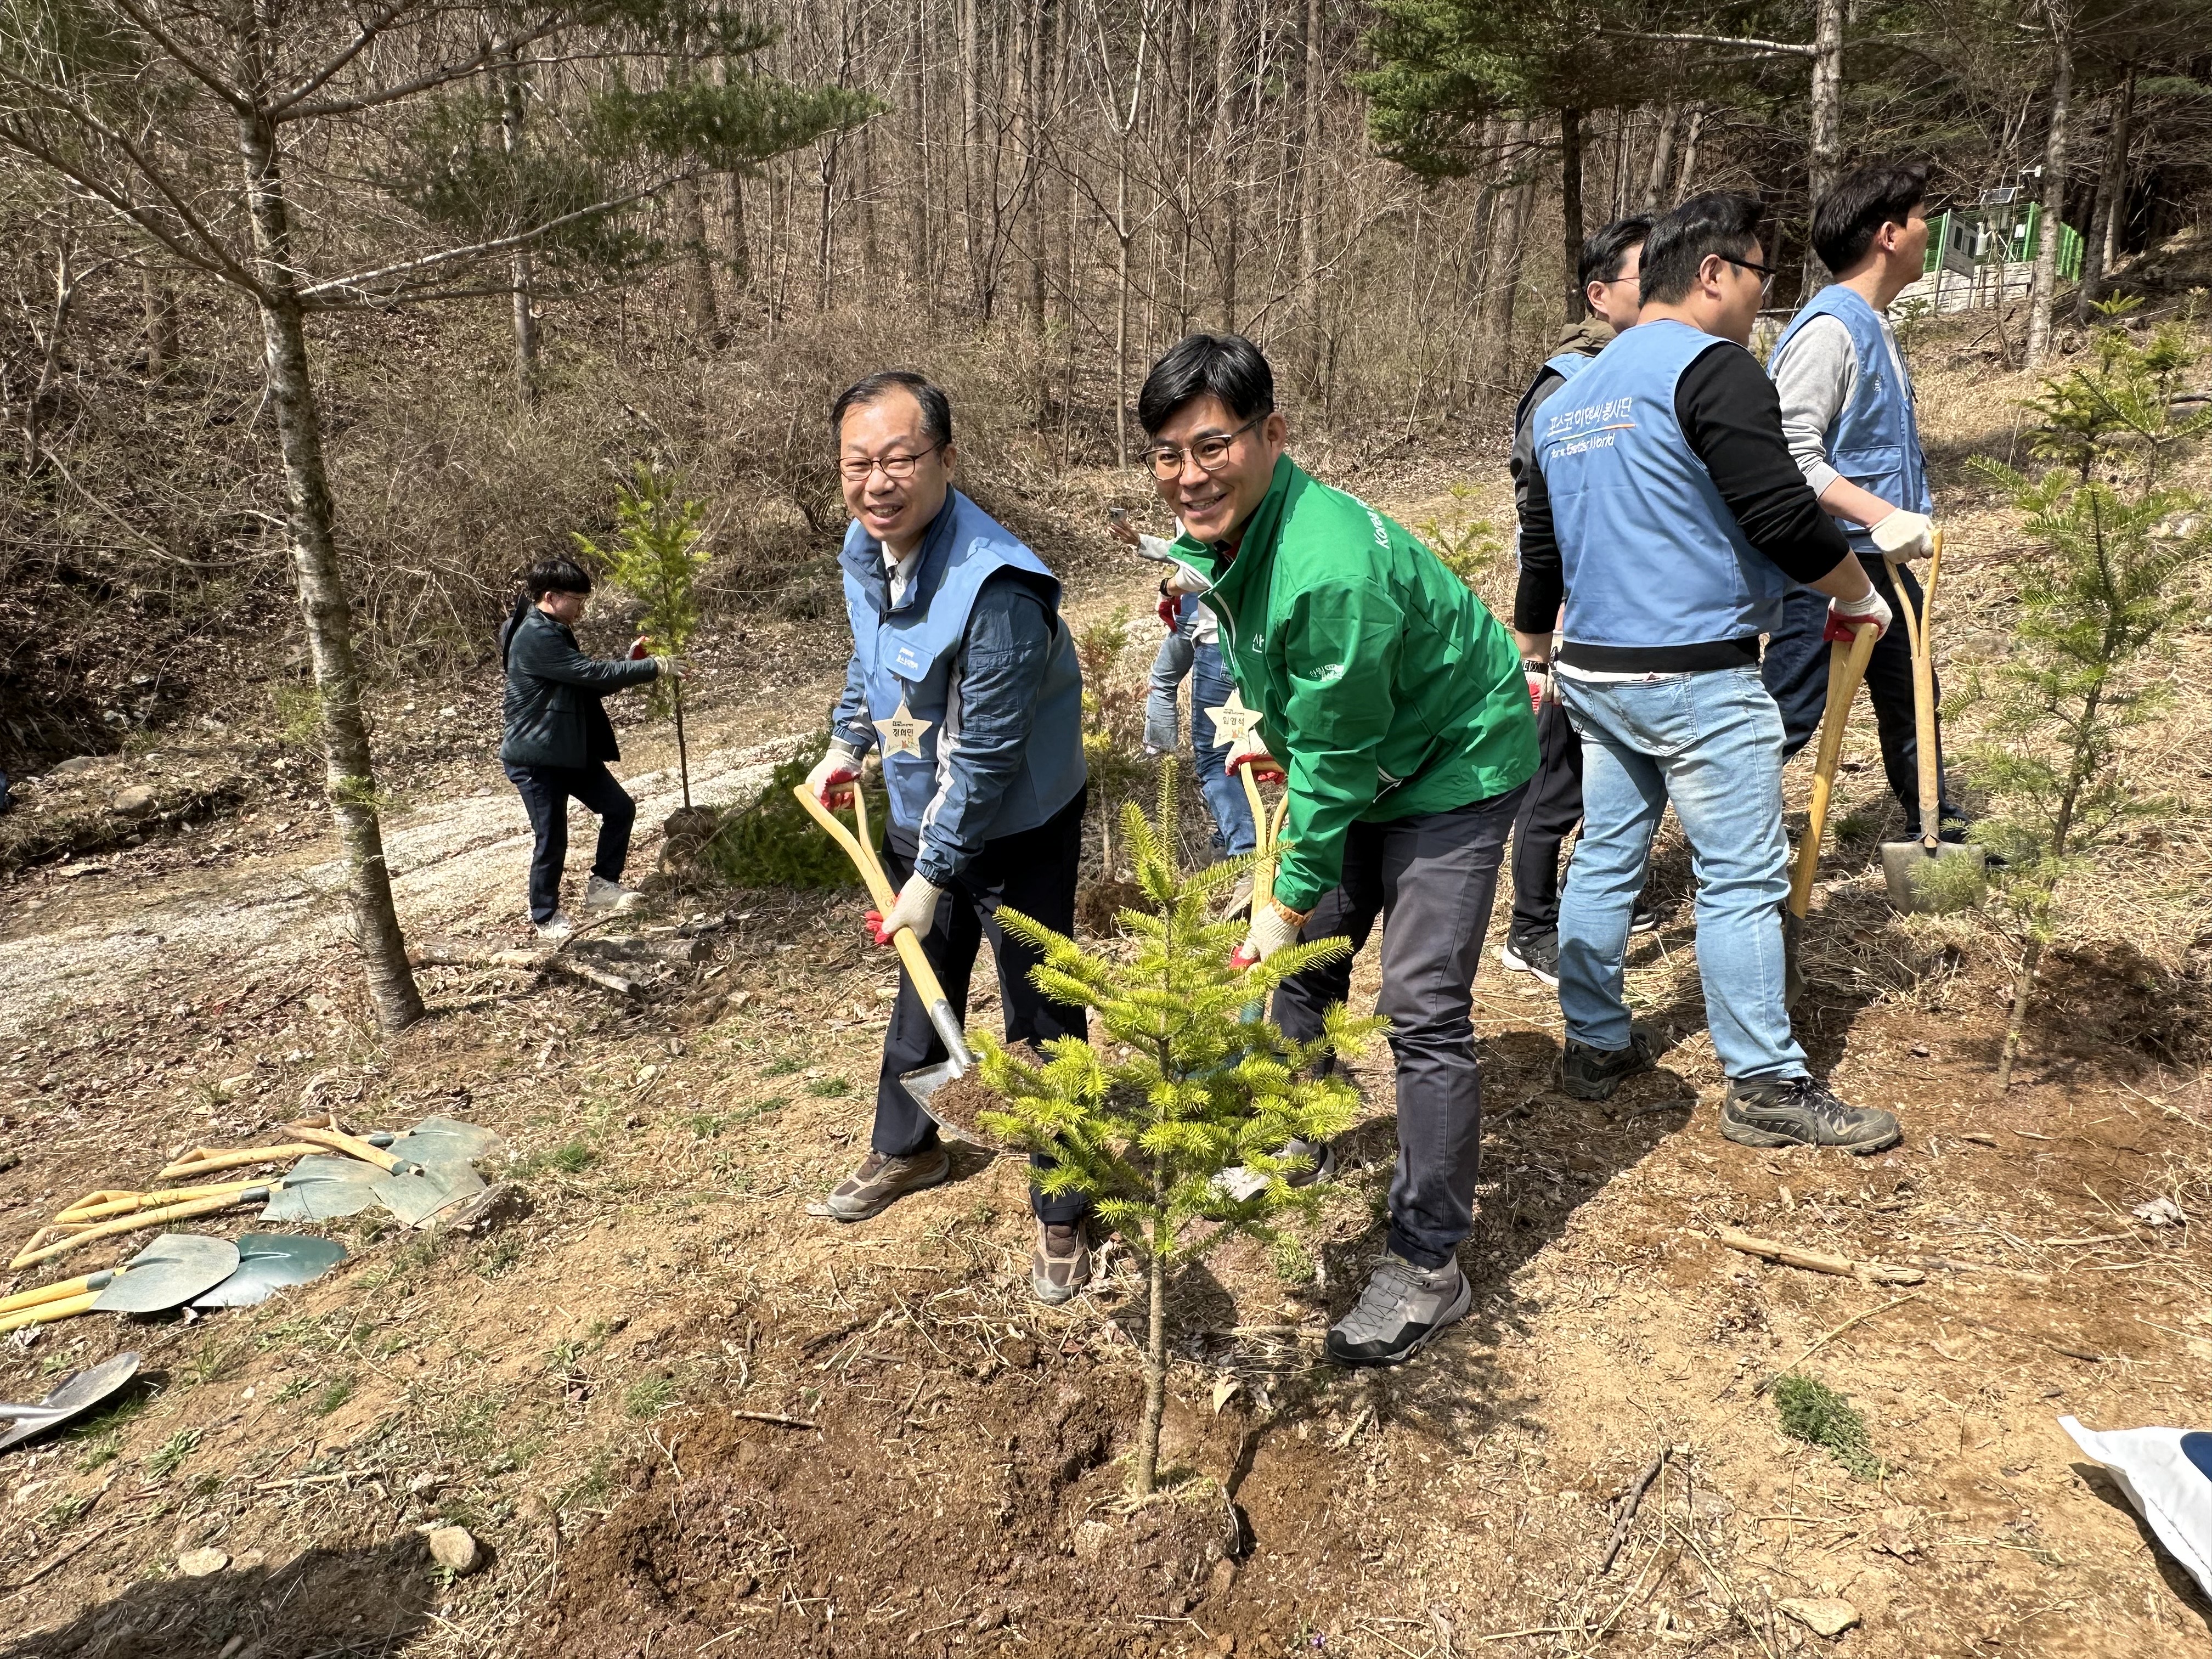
x: 1396, y: 704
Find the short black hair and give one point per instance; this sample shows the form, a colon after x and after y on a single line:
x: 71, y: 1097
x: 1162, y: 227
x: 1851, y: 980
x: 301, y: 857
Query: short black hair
x: 1845, y: 220
x: 1605, y: 250
x: 1225, y: 365
x: 936, y: 407
x: 1722, y: 222
x: 555, y: 576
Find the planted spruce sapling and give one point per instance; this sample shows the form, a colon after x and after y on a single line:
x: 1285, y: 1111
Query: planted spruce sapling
x: 1176, y: 1088
x: 656, y: 558
x: 2098, y: 607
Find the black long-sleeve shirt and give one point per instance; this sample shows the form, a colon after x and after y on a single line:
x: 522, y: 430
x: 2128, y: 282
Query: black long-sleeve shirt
x: 1728, y: 411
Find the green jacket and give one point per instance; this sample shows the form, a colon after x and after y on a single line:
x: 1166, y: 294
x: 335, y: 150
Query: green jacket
x: 1384, y: 685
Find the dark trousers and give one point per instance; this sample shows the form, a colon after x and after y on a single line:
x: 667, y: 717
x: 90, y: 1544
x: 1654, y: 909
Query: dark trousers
x: 546, y: 792
x: 1796, y: 671
x: 1032, y: 872
x: 1432, y: 879
x: 1549, y: 812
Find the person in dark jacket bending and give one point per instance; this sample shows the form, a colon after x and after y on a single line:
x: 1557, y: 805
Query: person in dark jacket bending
x: 558, y: 740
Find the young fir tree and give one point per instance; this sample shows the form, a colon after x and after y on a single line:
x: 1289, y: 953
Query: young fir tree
x: 1177, y: 1088
x: 2096, y: 612
x: 657, y: 557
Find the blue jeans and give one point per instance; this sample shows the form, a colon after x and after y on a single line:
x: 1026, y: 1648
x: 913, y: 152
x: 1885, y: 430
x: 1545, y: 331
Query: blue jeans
x: 1210, y: 688
x: 1712, y: 743
x: 546, y: 792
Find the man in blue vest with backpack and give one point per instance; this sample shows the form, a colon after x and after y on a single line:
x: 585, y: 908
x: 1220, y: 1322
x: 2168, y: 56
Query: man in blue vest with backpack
x: 1611, y: 271
x: 964, y: 676
x: 1665, y: 508
x: 1847, y: 409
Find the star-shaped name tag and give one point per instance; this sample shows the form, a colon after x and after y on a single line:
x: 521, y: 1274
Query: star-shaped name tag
x: 1233, y: 720
x: 901, y: 732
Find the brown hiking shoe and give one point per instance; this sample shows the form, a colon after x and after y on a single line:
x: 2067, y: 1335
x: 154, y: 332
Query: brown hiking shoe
x: 881, y: 1182
x: 1061, y: 1265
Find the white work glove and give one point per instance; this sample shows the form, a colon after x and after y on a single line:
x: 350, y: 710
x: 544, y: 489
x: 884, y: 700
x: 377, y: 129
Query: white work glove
x: 1273, y: 925
x: 1845, y: 616
x: 1904, y: 535
x: 1251, y: 750
x: 667, y: 668
x: 830, y: 782
x: 916, y: 908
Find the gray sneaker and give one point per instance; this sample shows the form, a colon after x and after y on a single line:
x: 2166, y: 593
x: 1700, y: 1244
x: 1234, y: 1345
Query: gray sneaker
x: 1799, y: 1112
x: 881, y: 1182
x: 1060, y: 1265
x: 1402, y: 1309
x: 1588, y: 1074
x: 1322, y: 1169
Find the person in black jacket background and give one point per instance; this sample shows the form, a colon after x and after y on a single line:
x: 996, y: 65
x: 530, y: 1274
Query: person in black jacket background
x: 558, y: 740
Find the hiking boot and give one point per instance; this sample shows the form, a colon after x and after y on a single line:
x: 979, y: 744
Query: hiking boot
x: 1060, y: 1264
x: 556, y: 927
x: 1799, y: 1112
x: 1402, y: 1309
x: 1532, y: 953
x: 1324, y: 1168
x: 1590, y: 1073
x: 1643, y: 918
x: 600, y: 894
x: 881, y: 1182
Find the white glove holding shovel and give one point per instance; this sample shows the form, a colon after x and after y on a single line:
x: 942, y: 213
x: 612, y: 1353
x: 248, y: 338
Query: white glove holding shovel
x: 834, y: 775
x: 1904, y: 535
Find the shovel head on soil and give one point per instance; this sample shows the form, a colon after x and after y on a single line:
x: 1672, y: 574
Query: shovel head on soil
x: 446, y: 1140
x: 1906, y: 866
x: 73, y: 1398
x: 323, y: 1189
x: 270, y: 1262
x: 168, y: 1273
x: 421, y: 1195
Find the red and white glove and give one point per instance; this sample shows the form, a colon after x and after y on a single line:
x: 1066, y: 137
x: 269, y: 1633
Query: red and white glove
x: 1170, y: 609
x: 1539, y: 677
x: 1847, y: 616
x: 640, y: 648
x: 1251, y: 750
x: 916, y: 908
x: 834, y: 775
x: 1274, y: 927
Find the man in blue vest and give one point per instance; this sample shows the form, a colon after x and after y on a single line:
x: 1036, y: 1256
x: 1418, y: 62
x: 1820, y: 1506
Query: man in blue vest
x: 1667, y: 511
x: 1847, y: 409
x: 964, y: 676
x: 1610, y: 271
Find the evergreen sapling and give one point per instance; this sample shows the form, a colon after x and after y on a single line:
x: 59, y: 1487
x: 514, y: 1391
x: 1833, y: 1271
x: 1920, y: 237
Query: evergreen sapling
x: 1176, y: 1088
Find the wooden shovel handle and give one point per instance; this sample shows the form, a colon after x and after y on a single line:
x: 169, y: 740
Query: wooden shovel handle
x: 1263, y: 865
x: 1846, y: 668
x: 336, y: 1141
x: 44, y: 1293
x: 84, y: 1211
x: 206, y: 1160
x: 47, y: 1313
x: 36, y: 1253
x: 879, y: 888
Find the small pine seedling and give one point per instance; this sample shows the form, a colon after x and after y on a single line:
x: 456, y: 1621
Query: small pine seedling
x: 1816, y: 1413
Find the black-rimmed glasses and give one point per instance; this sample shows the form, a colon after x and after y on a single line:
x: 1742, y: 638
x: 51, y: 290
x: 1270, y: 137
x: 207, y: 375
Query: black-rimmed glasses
x: 1211, y: 451
x: 897, y: 468
x: 1765, y: 273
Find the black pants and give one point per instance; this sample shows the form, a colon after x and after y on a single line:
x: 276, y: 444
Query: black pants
x: 1549, y: 812
x: 1432, y: 879
x: 546, y: 792
x: 1796, y: 671
x: 1033, y: 872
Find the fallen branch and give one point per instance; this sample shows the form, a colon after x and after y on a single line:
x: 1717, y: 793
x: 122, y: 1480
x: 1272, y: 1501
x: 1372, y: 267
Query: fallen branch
x: 1635, y: 1501
x: 1819, y: 1262
x: 781, y: 1422
x: 1830, y: 1336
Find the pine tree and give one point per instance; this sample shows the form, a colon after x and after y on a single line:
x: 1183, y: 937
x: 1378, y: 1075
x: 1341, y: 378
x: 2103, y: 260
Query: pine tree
x: 1176, y: 1088
x: 657, y: 557
x: 2095, y: 613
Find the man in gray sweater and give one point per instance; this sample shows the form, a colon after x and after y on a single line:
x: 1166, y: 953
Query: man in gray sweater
x: 1848, y: 414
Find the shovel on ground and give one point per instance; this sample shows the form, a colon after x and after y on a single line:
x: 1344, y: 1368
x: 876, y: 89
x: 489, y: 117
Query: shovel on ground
x: 1907, y: 865
x: 421, y: 1192
x: 270, y: 1262
x: 75, y: 1397
x: 1846, y: 668
x: 926, y: 1082
x: 167, y: 1274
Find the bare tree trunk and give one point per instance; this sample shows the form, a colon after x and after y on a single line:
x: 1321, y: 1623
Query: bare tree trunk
x: 1032, y: 204
x: 1663, y: 157
x: 971, y: 132
x: 1121, y: 304
x: 695, y: 269
x: 740, y: 251
x: 1687, y: 179
x: 2043, y: 290
x: 1156, y: 1361
x: 924, y: 267
x: 1223, y: 146
x: 160, y: 302
x: 1506, y: 296
x: 348, y: 776
x: 1316, y: 91
x: 1827, y: 151
x: 825, y: 226
x: 1570, y: 206
x: 2111, y: 202
x: 520, y: 269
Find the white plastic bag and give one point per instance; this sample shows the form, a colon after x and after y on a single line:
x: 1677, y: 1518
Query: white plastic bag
x: 2167, y: 1476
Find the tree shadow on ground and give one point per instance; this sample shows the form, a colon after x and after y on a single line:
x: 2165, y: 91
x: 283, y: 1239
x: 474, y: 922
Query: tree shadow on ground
x: 364, y: 1603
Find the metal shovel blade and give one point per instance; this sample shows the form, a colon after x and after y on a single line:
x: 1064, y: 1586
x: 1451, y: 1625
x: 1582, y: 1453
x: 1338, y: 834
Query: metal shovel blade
x: 77, y: 1395
x: 446, y: 1140
x: 168, y: 1273
x: 269, y: 1262
x: 1906, y: 865
x: 421, y: 1195
x: 324, y: 1188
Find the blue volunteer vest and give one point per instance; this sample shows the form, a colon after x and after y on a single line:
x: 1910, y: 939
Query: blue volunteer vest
x: 1566, y: 366
x: 1651, y: 555
x: 907, y: 655
x: 1874, y: 440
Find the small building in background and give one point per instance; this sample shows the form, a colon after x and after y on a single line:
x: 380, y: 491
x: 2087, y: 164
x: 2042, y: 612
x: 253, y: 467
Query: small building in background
x: 1984, y: 255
